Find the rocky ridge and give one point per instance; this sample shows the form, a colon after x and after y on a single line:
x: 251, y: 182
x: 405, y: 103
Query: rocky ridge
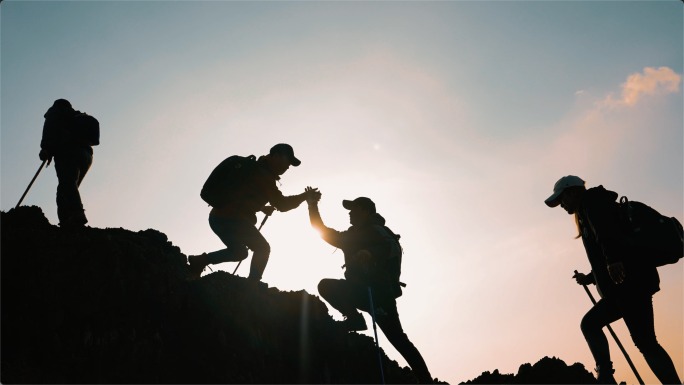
x: 115, y: 306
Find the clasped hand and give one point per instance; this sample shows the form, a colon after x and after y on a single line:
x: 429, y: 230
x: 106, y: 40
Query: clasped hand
x: 312, y: 195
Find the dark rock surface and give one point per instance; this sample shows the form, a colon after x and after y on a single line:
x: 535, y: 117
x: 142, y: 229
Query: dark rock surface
x: 545, y: 371
x: 114, y: 306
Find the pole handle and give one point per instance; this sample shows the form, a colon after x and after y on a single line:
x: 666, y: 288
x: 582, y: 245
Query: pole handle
x: 31, y: 184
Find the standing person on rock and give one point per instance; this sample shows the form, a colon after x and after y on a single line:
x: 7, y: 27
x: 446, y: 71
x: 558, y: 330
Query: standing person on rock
x: 625, y: 281
x: 237, y: 189
x: 69, y: 137
x: 372, y: 257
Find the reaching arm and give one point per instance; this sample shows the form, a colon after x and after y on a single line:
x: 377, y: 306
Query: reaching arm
x: 331, y: 236
x: 281, y: 202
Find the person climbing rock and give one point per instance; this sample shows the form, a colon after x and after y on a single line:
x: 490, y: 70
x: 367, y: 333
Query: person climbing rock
x: 625, y: 280
x: 237, y: 189
x: 372, y: 257
x: 69, y: 137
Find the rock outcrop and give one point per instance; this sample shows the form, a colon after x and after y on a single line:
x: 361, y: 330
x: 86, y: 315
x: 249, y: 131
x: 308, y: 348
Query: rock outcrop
x: 545, y: 371
x: 110, y: 305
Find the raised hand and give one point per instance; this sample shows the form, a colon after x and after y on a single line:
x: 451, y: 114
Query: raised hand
x: 312, y: 195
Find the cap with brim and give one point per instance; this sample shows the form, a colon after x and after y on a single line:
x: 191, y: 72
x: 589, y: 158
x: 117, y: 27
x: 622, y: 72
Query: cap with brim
x: 361, y: 202
x: 560, y: 186
x: 286, y: 149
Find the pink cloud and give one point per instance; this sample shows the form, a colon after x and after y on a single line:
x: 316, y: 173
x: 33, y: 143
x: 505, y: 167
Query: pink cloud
x: 653, y: 81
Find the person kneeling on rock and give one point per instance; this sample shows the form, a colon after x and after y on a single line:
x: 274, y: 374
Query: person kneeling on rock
x: 372, y: 256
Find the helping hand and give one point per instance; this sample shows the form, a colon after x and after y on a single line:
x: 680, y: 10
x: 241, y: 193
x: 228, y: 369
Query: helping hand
x: 582, y: 279
x: 312, y: 195
x: 268, y: 210
x: 617, y: 272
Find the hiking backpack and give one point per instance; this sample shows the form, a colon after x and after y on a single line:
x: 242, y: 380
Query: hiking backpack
x: 657, y: 232
x: 227, y: 177
x: 393, y: 261
x: 86, y: 127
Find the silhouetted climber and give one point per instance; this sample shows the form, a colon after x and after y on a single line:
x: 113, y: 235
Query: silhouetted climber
x: 69, y: 137
x: 625, y: 280
x: 372, y: 257
x: 237, y: 189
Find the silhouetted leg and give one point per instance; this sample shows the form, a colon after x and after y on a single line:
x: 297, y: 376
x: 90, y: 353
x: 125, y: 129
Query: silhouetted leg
x: 340, y: 294
x: 602, y: 314
x: 391, y: 327
x: 638, y: 316
x: 71, y: 165
x: 236, y: 234
x: 228, y: 231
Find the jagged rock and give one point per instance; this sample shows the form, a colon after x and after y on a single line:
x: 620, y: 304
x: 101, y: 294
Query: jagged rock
x: 114, y: 306
x: 545, y: 371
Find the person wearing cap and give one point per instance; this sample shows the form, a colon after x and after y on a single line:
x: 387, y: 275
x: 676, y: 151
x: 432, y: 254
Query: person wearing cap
x: 234, y: 222
x: 73, y: 157
x: 625, y: 283
x: 372, y: 257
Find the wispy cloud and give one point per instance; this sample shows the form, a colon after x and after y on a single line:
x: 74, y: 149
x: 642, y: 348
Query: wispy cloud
x: 653, y: 81
x: 580, y: 92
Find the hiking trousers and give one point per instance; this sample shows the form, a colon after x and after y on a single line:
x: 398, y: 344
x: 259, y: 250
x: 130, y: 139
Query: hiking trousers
x: 638, y: 315
x: 239, y: 235
x: 347, y: 296
x: 72, y: 165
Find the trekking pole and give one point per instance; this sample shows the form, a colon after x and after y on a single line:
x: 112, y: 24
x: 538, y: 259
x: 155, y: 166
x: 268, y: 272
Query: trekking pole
x: 31, y: 184
x: 260, y: 226
x: 629, y: 361
x: 375, y: 330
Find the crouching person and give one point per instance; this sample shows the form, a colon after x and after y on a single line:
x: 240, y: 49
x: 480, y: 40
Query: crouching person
x: 372, y: 256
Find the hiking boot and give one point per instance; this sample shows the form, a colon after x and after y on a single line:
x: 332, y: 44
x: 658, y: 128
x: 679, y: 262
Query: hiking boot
x: 197, y: 265
x: 354, y: 323
x: 77, y: 219
x: 604, y: 374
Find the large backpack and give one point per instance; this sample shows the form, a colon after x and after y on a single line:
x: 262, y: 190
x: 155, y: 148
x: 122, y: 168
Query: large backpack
x: 393, y: 261
x: 86, y: 127
x: 662, y: 235
x: 227, y: 177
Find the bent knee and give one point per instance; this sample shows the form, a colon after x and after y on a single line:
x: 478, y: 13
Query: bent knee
x: 325, y: 287
x: 263, y: 248
x: 588, y: 324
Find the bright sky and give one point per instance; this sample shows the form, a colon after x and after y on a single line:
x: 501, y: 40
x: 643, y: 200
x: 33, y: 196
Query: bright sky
x: 456, y: 118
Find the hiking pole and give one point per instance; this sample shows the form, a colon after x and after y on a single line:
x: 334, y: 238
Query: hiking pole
x: 629, y: 361
x: 31, y: 184
x: 375, y: 330
x: 260, y: 226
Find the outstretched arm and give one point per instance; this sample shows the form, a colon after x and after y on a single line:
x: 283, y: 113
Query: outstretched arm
x: 331, y: 236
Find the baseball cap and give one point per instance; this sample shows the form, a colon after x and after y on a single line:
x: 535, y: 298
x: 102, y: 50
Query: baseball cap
x: 285, y: 149
x: 361, y: 202
x: 562, y: 184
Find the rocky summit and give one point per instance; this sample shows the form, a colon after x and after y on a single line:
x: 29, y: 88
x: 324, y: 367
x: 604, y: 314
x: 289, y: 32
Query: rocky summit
x: 110, y: 305
x: 545, y: 371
